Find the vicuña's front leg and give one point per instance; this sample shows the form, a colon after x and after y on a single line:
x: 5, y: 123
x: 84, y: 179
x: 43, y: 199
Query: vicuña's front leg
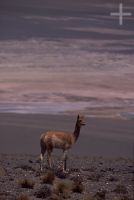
x: 41, y: 161
x: 42, y: 158
x: 65, y: 160
x: 49, y: 159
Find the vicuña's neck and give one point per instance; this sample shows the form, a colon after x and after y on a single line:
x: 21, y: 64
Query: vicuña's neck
x: 76, y: 132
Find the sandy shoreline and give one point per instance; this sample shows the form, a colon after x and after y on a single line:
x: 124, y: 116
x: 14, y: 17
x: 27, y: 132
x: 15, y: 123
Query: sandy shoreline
x: 100, y: 137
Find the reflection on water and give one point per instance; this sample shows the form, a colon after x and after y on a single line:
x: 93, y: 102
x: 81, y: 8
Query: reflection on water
x: 45, y: 107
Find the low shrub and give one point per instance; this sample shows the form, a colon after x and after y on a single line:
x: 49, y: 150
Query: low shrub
x: 23, y: 197
x: 120, y: 189
x: 2, y: 171
x: 63, y: 189
x: 26, y: 183
x: 48, y: 178
x: 100, y: 195
x: 43, y: 192
x: 55, y: 197
x: 77, y: 187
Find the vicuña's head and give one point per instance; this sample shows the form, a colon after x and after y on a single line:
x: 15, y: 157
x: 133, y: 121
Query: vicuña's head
x: 80, y: 121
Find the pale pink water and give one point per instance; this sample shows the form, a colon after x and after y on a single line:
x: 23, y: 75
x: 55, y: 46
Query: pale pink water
x: 78, y: 60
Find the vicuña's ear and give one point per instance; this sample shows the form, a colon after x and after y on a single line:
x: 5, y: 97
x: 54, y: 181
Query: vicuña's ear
x: 78, y: 117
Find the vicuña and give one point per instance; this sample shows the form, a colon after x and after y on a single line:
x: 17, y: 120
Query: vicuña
x: 61, y: 140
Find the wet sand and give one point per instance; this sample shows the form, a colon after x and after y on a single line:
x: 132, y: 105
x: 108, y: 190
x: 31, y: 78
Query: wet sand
x: 19, y: 133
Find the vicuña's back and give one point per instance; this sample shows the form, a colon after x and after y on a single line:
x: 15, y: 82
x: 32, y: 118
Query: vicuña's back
x: 61, y: 140
x: 57, y: 139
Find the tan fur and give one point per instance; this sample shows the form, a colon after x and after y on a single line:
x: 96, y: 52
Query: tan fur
x: 57, y: 139
x: 60, y: 140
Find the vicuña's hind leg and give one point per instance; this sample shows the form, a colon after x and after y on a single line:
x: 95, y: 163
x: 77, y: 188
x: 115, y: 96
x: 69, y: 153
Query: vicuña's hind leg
x: 49, y: 158
x: 41, y: 161
x: 65, y: 160
x: 43, y: 150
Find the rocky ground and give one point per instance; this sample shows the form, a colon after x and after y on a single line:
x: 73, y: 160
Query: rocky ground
x: 88, y: 178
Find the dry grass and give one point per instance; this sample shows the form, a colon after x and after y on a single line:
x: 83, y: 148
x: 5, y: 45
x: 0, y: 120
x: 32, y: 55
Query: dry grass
x: 26, y: 183
x: 100, y: 195
x: 2, y: 171
x: 77, y: 187
x: 48, y: 178
x: 89, y: 197
x: 121, y: 189
x: 63, y: 189
x: 43, y: 192
x: 55, y: 197
x: 122, y: 198
x: 23, y: 197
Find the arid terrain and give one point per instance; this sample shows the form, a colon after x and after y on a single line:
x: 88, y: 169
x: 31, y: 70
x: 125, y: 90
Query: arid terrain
x: 88, y: 178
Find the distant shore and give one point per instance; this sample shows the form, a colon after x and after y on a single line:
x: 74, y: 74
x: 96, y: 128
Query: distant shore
x: 91, y: 108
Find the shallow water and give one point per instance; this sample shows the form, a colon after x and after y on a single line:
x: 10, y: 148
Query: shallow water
x: 62, y: 57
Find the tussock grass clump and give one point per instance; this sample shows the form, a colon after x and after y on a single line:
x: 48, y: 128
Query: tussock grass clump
x: 77, y: 187
x: 89, y: 197
x: 63, y: 189
x: 23, y: 197
x: 55, y: 197
x: 100, y: 195
x: 123, y: 197
x: 2, y: 171
x: 121, y: 189
x: 7, y: 197
x: 43, y: 192
x: 26, y: 183
x: 48, y: 178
